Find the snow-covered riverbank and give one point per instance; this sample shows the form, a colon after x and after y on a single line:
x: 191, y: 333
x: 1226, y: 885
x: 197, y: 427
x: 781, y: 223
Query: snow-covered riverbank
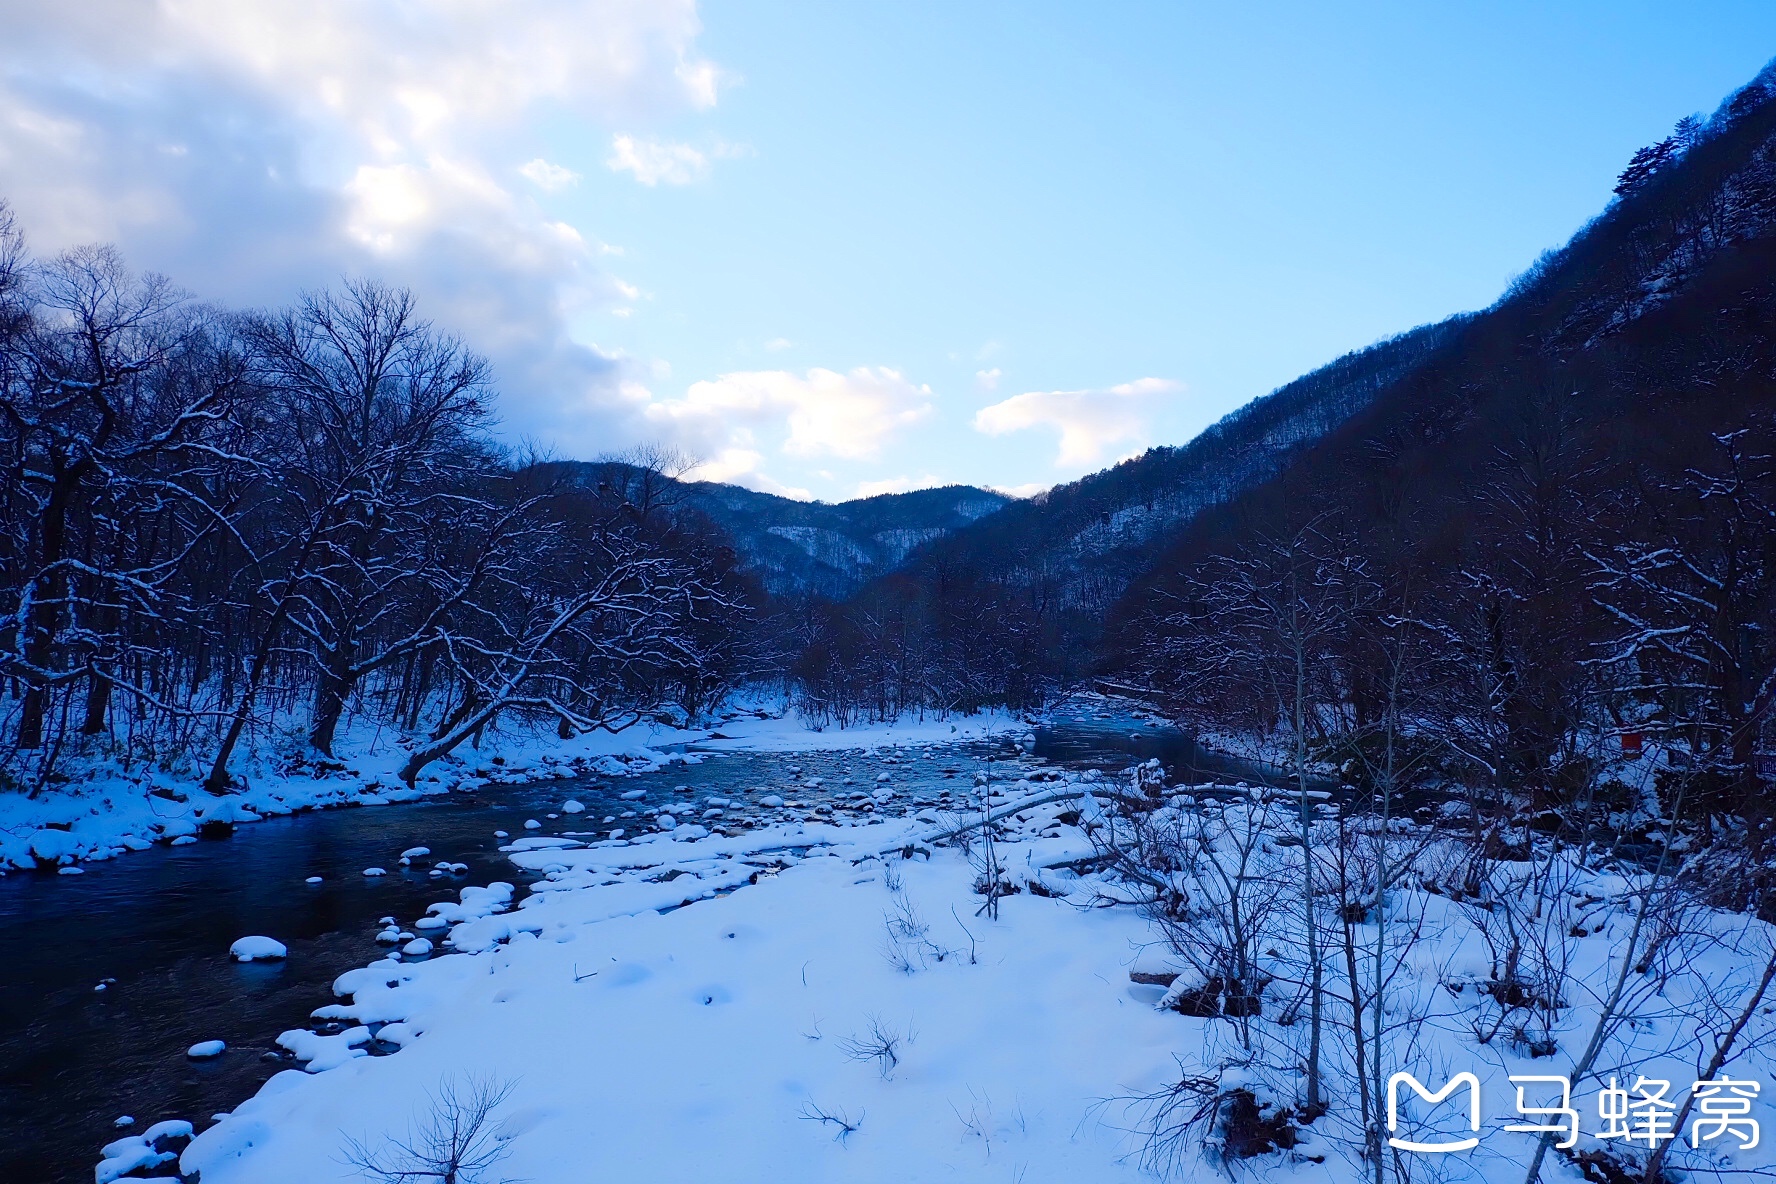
x: 105, y: 811
x: 736, y: 1039
x: 832, y: 1005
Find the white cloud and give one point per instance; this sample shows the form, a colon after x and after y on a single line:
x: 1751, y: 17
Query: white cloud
x: 900, y: 484
x: 1028, y: 489
x: 1088, y: 422
x: 654, y: 161
x: 820, y: 413
x: 550, y: 178
x: 987, y: 380
x: 740, y: 466
x: 778, y: 343
x: 252, y: 148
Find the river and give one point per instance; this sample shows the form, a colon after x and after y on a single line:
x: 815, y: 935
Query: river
x: 153, y: 930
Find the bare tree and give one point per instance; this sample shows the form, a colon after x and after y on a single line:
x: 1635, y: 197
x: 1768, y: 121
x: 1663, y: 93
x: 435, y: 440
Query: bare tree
x: 1218, y: 907
x: 592, y: 618
x: 381, y: 409
x: 456, y: 1141
x: 1696, y: 622
x: 374, y: 417
x: 116, y: 394
x: 1260, y: 626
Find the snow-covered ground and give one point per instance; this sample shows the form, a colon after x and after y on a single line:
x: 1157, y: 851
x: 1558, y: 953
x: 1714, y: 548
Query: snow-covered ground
x: 103, y: 810
x: 805, y: 1000
x: 644, y: 1041
x: 800, y: 989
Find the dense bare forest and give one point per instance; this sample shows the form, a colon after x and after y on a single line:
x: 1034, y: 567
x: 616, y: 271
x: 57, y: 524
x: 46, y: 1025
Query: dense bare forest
x: 219, y: 525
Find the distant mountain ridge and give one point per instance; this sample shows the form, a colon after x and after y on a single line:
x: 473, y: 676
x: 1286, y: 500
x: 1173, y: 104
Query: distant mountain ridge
x: 832, y: 548
x: 1074, y: 550
x: 798, y: 548
x: 1113, y: 520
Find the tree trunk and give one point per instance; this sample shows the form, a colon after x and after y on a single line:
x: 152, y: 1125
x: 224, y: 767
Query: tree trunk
x: 1316, y: 1103
x: 32, y: 714
x: 331, y: 691
x: 98, y: 700
x: 41, y: 621
x: 469, y: 720
x: 218, y: 780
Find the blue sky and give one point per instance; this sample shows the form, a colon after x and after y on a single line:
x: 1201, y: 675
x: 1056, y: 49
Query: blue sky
x: 839, y: 248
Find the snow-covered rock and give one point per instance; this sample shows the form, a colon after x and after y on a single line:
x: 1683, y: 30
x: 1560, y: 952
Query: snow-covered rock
x: 150, y: 1149
x: 257, y: 949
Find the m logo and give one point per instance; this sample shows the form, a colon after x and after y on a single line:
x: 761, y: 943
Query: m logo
x: 1459, y: 1080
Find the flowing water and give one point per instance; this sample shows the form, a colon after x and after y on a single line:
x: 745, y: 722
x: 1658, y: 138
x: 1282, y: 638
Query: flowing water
x: 153, y: 928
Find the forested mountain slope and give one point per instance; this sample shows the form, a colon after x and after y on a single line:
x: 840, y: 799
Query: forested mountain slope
x: 829, y: 548
x: 1087, y: 538
x: 797, y: 548
x: 1016, y: 602
x: 1575, y: 408
x: 1611, y: 362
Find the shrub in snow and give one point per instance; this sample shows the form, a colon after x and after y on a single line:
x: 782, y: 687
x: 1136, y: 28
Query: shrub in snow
x: 881, y: 1044
x: 457, y: 1141
x: 1229, y: 1119
x: 257, y: 949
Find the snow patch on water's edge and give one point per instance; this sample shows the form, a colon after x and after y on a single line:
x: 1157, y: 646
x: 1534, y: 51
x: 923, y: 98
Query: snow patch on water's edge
x: 105, y: 812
